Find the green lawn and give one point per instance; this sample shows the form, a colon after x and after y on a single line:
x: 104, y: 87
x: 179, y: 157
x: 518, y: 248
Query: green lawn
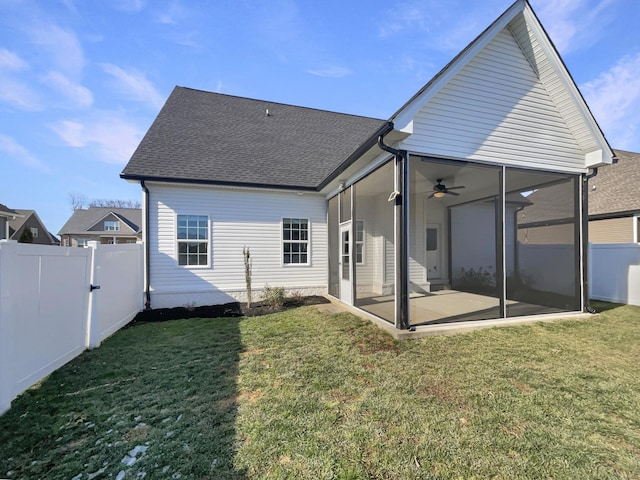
x: 302, y: 394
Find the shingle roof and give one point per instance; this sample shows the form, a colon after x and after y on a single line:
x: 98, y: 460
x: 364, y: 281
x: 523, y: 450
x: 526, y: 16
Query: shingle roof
x: 215, y: 138
x: 82, y: 219
x: 6, y: 210
x: 616, y: 188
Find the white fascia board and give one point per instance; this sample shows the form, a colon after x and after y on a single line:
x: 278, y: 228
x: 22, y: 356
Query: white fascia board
x: 403, y: 121
x: 606, y: 154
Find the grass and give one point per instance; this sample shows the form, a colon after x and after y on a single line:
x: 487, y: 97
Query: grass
x: 300, y: 394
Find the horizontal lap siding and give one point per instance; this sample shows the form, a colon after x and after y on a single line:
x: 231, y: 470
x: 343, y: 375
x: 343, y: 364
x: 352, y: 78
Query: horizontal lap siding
x: 497, y: 110
x: 237, y: 218
x: 611, y: 230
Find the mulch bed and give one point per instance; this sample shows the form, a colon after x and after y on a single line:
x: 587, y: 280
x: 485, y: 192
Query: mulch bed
x: 233, y: 309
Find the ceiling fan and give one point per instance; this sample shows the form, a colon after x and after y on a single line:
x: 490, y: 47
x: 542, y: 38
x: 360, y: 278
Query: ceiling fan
x: 440, y: 189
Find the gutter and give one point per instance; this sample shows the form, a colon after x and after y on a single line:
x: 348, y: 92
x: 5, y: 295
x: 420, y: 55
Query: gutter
x: 401, y: 205
x: 145, y: 241
x: 370, y: 142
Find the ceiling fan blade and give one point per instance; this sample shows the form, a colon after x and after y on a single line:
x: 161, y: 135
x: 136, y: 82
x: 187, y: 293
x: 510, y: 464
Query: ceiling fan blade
x: 456, y: 188
x: 452, y: 193
x: 431, y: 196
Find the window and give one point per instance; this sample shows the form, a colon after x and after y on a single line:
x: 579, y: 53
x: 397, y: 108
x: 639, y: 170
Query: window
x: 359, y: 244
x: 82, y: 242
x: 34, y: 232
x: 193, y: 240
x: 111, y: 226
x: 295, y: 240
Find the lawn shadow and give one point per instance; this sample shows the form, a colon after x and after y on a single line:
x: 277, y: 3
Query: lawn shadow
x: 157, y: 399
x: 602, y: 306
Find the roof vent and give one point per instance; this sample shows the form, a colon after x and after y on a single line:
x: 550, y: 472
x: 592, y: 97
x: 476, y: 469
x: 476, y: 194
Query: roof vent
x: 266, y: 113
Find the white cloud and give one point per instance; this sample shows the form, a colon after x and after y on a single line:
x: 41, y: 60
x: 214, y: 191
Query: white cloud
x: 572, y: 24
x: 111, y: 136
x: 614, y: 99
x: 11, y: 61
x: 9, y: 146
x: 80, y: 96
x: 18, y: 94
x: 331, y: 72
x: 63, y: 46
x: 135, y: 85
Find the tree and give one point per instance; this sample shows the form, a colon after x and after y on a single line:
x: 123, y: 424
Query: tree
x: 27, y: 236
x: 78, y: 200
x: 114, y: 203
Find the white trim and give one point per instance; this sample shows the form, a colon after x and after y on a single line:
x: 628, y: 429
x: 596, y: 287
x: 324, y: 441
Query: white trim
x: 308, y: 242
x: 177, y: 241
x: 636, y: 219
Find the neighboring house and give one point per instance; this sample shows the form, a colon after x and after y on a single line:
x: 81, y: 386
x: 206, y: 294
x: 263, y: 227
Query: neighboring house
x: 6, y: 215
x: 28, y: 224
x: 415, y: 220
x: 614, y: 201
x: 102, y: 224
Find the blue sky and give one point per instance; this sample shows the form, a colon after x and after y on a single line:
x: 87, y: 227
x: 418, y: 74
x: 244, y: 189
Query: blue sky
x: 82, y: 80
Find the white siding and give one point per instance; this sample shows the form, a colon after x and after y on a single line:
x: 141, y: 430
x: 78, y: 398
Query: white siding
x: 496, y: 110
x: 237, y: 218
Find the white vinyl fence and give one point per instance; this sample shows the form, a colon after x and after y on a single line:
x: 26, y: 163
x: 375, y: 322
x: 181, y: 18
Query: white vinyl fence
x: 49, y: 310
x: 614, y: 272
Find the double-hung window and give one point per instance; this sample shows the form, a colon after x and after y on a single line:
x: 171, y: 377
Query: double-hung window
x: 111, y: 226
x: 193, y: 240
x: 295, y: 241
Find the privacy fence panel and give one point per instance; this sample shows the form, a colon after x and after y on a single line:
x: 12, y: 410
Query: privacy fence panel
x: 615, y: 272
x: 48, y: 314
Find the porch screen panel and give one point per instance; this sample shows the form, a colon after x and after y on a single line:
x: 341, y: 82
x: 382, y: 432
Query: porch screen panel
x: 333, y: 245
x: 374, y: 245
x: 454, y: 241
x: 542, y: 243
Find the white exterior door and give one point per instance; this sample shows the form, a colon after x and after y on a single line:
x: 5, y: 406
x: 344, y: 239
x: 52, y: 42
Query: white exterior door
x: 433, y: 252
x: 346, y: 291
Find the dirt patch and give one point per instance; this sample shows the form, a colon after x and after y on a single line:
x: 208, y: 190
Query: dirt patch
x: 233, y: 309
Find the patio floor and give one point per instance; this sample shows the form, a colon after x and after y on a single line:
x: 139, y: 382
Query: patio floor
x: 446, y: 306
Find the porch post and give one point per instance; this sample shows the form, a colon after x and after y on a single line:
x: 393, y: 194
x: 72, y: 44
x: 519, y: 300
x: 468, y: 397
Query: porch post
x: 402, y: 240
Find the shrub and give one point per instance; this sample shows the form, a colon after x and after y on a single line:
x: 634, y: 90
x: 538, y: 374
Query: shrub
x: 273, y: 296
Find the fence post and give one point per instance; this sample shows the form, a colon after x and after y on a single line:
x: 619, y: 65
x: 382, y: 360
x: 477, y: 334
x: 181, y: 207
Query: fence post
x: 6, y: 383
x: 92, y: 328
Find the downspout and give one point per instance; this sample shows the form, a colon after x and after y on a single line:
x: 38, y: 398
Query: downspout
x: 145, y: 241
x: 401, y: 225
x: 585, y: 239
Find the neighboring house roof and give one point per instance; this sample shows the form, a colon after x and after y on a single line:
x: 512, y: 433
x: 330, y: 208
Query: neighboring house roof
x: 616, y: 188
x: 207, y: 137
x: 6, y: 211
x: 23, y: 217
x: 82, y: 220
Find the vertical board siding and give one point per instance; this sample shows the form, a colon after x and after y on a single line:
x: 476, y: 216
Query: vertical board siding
x: 237, y: 218
x: 497, y: 110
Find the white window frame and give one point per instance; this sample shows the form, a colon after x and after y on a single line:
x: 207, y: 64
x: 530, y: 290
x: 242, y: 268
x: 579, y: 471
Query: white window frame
x: 360, y: 243
x: 34, y: 232
x: 112, y: 223
x: 179, y: 241
x: 636, y: 228
x: 284, y: 241
x: 82, y: 242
